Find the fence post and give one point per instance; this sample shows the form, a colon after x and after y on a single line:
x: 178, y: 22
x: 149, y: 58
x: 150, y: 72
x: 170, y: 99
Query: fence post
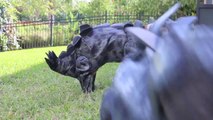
x: 106, y: 17
x: 140, y: 15
x: 128, y: 15
x: 51, y: 30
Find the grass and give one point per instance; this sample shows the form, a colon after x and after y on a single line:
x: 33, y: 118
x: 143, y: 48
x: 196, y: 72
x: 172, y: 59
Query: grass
x: 30, y: 90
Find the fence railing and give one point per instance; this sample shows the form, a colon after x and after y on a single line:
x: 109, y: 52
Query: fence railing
x: 32, y: 34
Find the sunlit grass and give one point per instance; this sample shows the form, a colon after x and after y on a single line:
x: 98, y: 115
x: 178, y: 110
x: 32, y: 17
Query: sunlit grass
x: 30, y: 90
x: 15, y: 61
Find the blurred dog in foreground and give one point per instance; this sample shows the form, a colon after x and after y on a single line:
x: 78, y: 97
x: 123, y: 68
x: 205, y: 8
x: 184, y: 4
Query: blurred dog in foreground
x: 171, y: 81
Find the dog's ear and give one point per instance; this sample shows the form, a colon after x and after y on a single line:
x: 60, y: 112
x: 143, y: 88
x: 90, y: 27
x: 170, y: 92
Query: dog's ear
x: 85, y: 30
x: 76, y: 41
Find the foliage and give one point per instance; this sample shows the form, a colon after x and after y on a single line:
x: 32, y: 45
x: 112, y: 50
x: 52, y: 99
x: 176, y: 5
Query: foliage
x: 147, y: 7
x: 42, y: 9
x: 95, y: 7
x: 158, y: 7
x: 8, y: 11
x: 188, y: 8
x: 37, y: 9
x: 30, y: 90
x: 74, y: 25
x: 62, y: 34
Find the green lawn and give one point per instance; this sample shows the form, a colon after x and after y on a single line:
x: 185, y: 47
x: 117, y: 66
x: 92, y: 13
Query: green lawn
x: 30, y: 90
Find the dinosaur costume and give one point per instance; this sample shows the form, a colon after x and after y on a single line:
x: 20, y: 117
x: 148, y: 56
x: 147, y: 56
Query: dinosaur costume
x: 172, y: 82
x: 94, y: 47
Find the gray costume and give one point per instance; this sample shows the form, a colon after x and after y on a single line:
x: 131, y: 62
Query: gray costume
x: 94, y: 47
x: 173, y: 82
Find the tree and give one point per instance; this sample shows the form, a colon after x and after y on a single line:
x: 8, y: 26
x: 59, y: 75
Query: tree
x: 41, y: 9
x: 94, y: 7
x: 8, y: 11
x: 158, y: 7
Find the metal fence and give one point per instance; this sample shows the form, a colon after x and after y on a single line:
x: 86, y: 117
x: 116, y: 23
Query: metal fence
x: 32, y: 34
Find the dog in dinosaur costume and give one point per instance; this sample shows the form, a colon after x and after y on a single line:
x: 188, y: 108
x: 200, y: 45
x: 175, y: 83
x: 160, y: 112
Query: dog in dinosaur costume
x: 172, y: 82
x: 94, y: 47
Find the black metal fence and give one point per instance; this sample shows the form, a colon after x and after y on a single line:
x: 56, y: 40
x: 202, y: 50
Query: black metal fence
x: 32, y: 34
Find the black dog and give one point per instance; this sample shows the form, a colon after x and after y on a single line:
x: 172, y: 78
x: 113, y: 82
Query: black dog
x: 94, y: 47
